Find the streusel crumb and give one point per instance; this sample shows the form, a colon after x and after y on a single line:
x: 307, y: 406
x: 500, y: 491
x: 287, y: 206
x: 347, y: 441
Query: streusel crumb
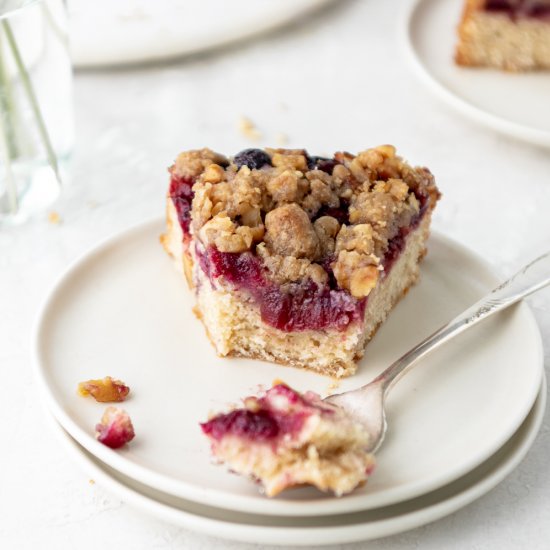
x: 54, y: 218
x: 248, y: 129
x: 306, y: 216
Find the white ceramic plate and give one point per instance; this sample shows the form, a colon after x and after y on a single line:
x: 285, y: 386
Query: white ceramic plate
x: 318, y: 530
x: 515, y: 104
x: 122, y: 310
x: 107, y: 32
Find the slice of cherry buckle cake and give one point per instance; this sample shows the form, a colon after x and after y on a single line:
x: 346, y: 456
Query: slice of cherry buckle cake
x: 283, y: 439
x: 513, y: 35
x: 293, y: 258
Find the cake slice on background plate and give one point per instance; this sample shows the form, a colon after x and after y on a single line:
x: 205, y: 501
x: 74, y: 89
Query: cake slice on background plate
x: 294, y: 258
x: 513, y: 35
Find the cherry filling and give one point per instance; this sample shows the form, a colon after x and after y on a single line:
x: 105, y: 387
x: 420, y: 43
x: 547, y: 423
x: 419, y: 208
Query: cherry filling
x: 397, y: 243
x: 181, y: 193
x: 538, y: 9
x: 265, y: 422
x: 300, y: 306
x: 260, y: 425
x: 306, y: 306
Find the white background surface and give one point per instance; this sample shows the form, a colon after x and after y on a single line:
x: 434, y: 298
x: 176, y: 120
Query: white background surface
x: 336, y: 81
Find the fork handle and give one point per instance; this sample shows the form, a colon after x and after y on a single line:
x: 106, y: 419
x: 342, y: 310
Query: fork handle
x: 531, y: 278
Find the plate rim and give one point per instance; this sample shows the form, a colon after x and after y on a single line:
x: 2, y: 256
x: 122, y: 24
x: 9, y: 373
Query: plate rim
x: 301, y: 536
x: 495, y: 122
x: 85, y: 60
x: 245, y: 503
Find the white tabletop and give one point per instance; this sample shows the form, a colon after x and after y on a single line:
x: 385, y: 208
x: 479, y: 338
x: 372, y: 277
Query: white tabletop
x: 336, y: 81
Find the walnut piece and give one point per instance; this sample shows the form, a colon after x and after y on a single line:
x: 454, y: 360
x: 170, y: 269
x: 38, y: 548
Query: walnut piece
x: 350, y: 262
x: 358, y: 237
x: 363, y: 280
x: 105, y: 390
x: 227, y: 236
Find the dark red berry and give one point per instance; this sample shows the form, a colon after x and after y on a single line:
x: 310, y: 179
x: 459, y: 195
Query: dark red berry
x: 259, y: 425
x: 253, y: 158
x: 181, y: 193
x: 341, y: 213
x: 499, y: 5
x: 321, y: 163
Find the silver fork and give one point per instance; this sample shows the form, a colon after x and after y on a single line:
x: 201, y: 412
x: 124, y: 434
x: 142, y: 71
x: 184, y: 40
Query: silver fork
x: 366, y: 403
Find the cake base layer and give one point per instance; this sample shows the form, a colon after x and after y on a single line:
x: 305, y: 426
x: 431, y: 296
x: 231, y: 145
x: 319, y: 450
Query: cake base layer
x: 496, y: 40
x: 337, y: 472
x: 234, y: 325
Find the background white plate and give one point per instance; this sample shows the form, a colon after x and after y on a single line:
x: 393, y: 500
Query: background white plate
x: 124, y: 311
x: 322, y: 530
x: 107, y: 32
x: 515, y: 104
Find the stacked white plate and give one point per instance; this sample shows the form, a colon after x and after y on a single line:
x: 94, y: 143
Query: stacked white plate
x: 458, y: 423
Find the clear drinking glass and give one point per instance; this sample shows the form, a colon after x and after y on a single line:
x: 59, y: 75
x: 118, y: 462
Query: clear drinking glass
x: 36, y: 111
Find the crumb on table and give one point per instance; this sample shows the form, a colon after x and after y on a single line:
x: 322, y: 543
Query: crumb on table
x: 248, y: 129
x: 54, y: 218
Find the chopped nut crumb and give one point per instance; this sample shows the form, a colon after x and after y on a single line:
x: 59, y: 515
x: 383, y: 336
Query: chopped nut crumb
x: 363, y: 280
x: 104, y: 390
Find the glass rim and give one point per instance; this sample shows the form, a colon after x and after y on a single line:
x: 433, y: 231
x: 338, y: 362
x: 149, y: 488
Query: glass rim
x: 10, y: 7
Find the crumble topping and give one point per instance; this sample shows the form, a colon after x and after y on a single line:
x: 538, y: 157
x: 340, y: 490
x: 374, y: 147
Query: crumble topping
x: 307, y: 217
x: 191, y: 164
